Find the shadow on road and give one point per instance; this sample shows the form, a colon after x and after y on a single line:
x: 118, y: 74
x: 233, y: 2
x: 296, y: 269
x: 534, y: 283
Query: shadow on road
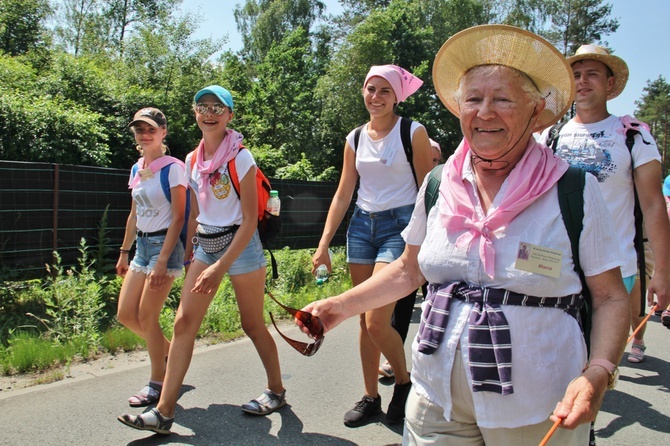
x: 631, y: 409
x: 225, y: 424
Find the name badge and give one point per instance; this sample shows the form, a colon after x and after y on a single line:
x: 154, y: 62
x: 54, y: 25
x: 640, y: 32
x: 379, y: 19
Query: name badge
x: 538, y: 260
x: 146, y: 174
x: 387, y: 156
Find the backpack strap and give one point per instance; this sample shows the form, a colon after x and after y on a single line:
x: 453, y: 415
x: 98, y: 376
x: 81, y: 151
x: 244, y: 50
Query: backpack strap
x: 552, y: 138
x: 165, y: 182
x: 357, y: 136
x: 433, y: 187
x: 571, y: 202
x: 639, y: 240
x: 405, y: 137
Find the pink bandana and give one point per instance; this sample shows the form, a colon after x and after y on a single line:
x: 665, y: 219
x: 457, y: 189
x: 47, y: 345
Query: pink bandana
x: 535, y: 173
x: 630, y: 123
x: 402, y: 81
x: 155, y: 167
x: 226, y: 151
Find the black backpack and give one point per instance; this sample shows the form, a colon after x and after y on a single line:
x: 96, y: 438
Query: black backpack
x: 405, y: 137
x: 571, y: 202
x: 638, y: 240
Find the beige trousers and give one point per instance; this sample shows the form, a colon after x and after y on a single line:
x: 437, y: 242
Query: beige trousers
x: 425, y: 423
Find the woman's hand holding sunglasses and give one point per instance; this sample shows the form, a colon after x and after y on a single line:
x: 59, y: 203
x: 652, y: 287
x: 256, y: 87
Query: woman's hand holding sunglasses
x: 330, y: 311
x: 312, y: 324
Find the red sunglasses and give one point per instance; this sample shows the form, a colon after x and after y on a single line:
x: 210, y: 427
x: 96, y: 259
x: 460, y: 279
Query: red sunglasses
x: 313, y: 324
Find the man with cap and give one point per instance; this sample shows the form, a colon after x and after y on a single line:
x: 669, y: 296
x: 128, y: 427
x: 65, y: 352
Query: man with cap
x: 595, y: 140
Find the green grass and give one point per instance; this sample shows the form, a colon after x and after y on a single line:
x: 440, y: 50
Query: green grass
x: 74, y: 312
x: 120, y: 339
x: 28, y: 353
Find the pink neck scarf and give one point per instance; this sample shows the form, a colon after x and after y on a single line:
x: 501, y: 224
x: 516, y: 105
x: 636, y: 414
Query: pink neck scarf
x: 155, y: 167
x: 226, y: 151
x: 535, y: 173
x: 402, y: 81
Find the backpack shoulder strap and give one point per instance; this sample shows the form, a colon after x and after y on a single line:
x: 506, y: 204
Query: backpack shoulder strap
x: 165, y: 182
x: 406, y: 138
x: 357, y: 136
x: 234, y: 178
x: 552, y: 138
x: 638, y: 240
x: 571, y: 201
x: 433, y: 187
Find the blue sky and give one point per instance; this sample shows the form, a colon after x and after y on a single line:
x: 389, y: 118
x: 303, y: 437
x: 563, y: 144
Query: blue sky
x: 641, y: 40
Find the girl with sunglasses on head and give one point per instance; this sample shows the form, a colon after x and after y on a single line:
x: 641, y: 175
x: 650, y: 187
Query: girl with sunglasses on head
x: 386, y: 196
x: 228, y: 243
x: 155, y: 222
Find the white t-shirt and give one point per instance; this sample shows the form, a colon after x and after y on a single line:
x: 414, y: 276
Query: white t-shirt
x: 599, y: 149
x: 383, y: 185
x: 224, y: 207
x: 154, y: 211
x: 548, y: 349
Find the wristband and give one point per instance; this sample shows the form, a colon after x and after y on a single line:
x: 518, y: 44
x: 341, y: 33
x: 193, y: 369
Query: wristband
x: 124, y: 251
x: 187, y: 263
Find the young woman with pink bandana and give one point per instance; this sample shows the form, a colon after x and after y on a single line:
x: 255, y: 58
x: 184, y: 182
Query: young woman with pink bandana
x: 386, y: 197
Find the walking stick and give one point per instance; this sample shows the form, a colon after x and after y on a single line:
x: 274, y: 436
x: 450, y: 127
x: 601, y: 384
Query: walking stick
x: 550, y: 433
x: 555, y: 426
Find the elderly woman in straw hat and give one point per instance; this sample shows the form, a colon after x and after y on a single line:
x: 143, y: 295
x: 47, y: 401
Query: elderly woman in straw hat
x: 500, y: 347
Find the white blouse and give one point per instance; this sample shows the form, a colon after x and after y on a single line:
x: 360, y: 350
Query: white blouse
x: 548, y: 349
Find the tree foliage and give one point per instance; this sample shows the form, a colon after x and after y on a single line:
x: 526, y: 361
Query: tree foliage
x: 654, y: 109
x: 22, y: 26
x: 296, y: 80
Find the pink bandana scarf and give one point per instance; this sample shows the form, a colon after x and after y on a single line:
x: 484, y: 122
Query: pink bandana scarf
x: 402, y: 81
x: 536, y: 172
x: 155, y: 167
x: 226, y: 151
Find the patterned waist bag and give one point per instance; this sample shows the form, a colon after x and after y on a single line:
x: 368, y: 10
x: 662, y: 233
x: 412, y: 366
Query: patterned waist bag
x: 213, y: 239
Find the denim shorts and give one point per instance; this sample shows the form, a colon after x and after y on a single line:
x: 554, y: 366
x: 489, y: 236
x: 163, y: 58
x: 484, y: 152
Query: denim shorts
x: 374, y: 237
x: 147, y: 251
x: 251, y: 259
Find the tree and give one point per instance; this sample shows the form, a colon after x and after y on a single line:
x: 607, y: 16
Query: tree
x: 654, y: 109
x: 262, y: 23
x: 22, y: 25
x: 121, y: 15
x: 280, y: 109
x: 578, y: 22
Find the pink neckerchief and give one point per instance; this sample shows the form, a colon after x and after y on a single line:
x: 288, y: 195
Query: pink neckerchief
x: 631, y: 123
x: 535, y: 173
x: 226, y: 151
x: 155, y: 167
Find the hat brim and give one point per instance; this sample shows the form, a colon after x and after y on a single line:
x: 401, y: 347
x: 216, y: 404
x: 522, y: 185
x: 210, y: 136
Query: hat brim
x: 213, y: 92
x: 616, y: 64
x: 509, y: 46
x: 146, y: 119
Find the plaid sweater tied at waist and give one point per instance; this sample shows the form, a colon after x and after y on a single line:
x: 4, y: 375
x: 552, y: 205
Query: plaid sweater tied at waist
x: 490, y: 344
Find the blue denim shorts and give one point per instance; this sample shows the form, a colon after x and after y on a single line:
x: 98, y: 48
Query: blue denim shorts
x: 147, y: 251
x: 251, y: 259
x: 374, y: 237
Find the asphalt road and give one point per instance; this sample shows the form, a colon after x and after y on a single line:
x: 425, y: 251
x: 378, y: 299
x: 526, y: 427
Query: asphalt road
x: 321, y: 389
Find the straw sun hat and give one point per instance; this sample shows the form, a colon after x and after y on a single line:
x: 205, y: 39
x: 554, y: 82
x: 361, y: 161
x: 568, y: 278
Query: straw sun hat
x: 512, y: 47
x: 616, y: 64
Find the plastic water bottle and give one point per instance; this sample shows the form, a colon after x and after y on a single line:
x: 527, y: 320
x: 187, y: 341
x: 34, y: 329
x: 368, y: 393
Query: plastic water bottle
x: 321, y: 272
x: 274, y: 205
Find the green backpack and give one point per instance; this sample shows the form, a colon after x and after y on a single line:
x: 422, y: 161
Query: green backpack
x: 571, y: 202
